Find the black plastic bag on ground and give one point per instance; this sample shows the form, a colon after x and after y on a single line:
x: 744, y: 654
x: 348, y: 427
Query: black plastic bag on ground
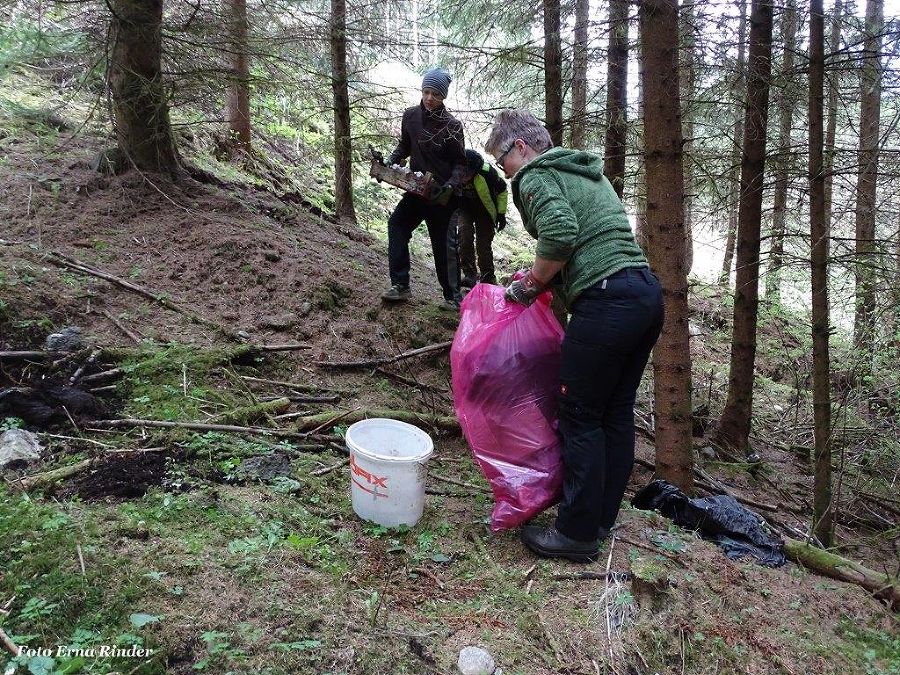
x: 720, y: 519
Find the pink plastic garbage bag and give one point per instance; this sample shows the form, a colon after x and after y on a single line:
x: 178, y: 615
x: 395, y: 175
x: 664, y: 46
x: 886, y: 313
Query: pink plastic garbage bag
x: 505, y: 365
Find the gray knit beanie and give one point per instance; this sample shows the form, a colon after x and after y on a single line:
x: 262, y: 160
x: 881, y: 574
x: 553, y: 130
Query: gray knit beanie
x: 437, y: 79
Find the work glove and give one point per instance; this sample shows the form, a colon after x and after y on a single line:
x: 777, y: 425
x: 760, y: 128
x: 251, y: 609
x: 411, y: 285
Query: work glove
x: 501, y: 222
x: 524, y: 290
x: 442, y: 195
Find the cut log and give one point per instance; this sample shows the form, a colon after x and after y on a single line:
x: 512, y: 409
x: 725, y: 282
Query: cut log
x: 882, y: 586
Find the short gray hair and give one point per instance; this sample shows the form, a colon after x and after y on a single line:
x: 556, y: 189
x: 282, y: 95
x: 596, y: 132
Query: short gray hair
x: 516, y: 123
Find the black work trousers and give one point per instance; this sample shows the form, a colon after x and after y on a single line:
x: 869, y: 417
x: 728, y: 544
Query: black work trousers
x: 475, y: 230
x: 611, y: 332
x: 407, y: 216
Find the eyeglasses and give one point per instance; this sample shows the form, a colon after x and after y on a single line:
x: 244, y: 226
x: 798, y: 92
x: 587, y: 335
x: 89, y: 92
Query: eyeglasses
x: 499, y: 160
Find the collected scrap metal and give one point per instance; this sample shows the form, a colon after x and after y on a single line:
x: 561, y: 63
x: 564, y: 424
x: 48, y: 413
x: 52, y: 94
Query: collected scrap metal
x: 401, y: 176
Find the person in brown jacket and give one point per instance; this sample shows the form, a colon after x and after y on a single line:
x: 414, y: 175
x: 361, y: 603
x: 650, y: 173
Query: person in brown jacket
x: 432, y: 139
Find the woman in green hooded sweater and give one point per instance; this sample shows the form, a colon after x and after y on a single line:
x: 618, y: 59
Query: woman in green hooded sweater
x: 587, y: 252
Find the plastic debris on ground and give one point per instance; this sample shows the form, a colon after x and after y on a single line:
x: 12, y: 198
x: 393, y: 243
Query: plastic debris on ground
x: 736, y: 529
x: 505, y: 362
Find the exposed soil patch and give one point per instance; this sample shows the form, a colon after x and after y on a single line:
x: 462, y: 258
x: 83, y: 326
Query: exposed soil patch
x: 120, y: 476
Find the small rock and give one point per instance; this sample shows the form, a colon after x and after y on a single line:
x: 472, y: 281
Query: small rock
x: 305, y: 309
x: 475, y: 661
x: 243, y: 335
x: 708, y: 452
x: 264, y: 467
x: 281, y: 322
x: 19, y: 449
x: 694, y: 330
x: 69, y: 339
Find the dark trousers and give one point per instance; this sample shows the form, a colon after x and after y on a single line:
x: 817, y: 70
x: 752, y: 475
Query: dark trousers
x: 407, y: 216
x: 476, y: 232
x: 608, y: 341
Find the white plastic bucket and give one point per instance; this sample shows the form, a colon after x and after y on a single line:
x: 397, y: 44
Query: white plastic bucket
x: 387, y: 470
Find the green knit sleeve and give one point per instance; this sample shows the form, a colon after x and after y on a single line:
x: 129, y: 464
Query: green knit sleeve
x: 551, y: 213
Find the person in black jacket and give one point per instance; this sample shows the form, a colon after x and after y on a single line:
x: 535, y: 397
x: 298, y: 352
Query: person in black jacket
x: 482, y: 208
x: 433, y: 140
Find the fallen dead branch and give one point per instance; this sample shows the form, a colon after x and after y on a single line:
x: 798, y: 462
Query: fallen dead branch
x: 63, y: 260
x: 8, y: 644
x: 250, y: 413
x: 283, y: 348
x: 122, y: 327
x: 295, y: 386
x: 882, y: 586
x: 593, y: 576
x: 653, y: 549
x: 441, y: 422
x: 24, y: 355
x: 113, y: 372
x: 47, y: 478
x: 329, y: 469
x: 409, y: 382
x: 295, y: 397
x: 373, y: 363
x: 459, y: 483
x: 78, y: 373
x: 197, y: 426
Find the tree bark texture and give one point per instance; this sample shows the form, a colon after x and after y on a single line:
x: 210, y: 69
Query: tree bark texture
x: 786, y: 103
x: 578, y: 122
x: 734, y: 426
x: 740, y: 93
x: 617, y: 96
x: 686, y: 34
x: 823, y: 525
x: 640, y: 194
x: 343, y: 166
x: 553, y: 97
x: 143, y: 131
x: 870, y: 114
x: 666, y: 238
x: 237, y: 97
x: 833, y: 90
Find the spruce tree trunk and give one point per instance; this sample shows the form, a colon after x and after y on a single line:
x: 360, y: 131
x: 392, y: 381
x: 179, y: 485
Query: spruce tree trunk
x: 686, y: 33
x: 734, y: 426
x: 143, y: 131
x: 617, y: 96
x: 833, y: 90
x: 870, y: 97
x: 237, y: 97
x: 740, y: 93
x: 666, y: 238
x: 640, y: 196
x: 343, y: 167
x: 578, y: 123
x: 786, y: 105
x: 553, y: 97
x: 822, y: 525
